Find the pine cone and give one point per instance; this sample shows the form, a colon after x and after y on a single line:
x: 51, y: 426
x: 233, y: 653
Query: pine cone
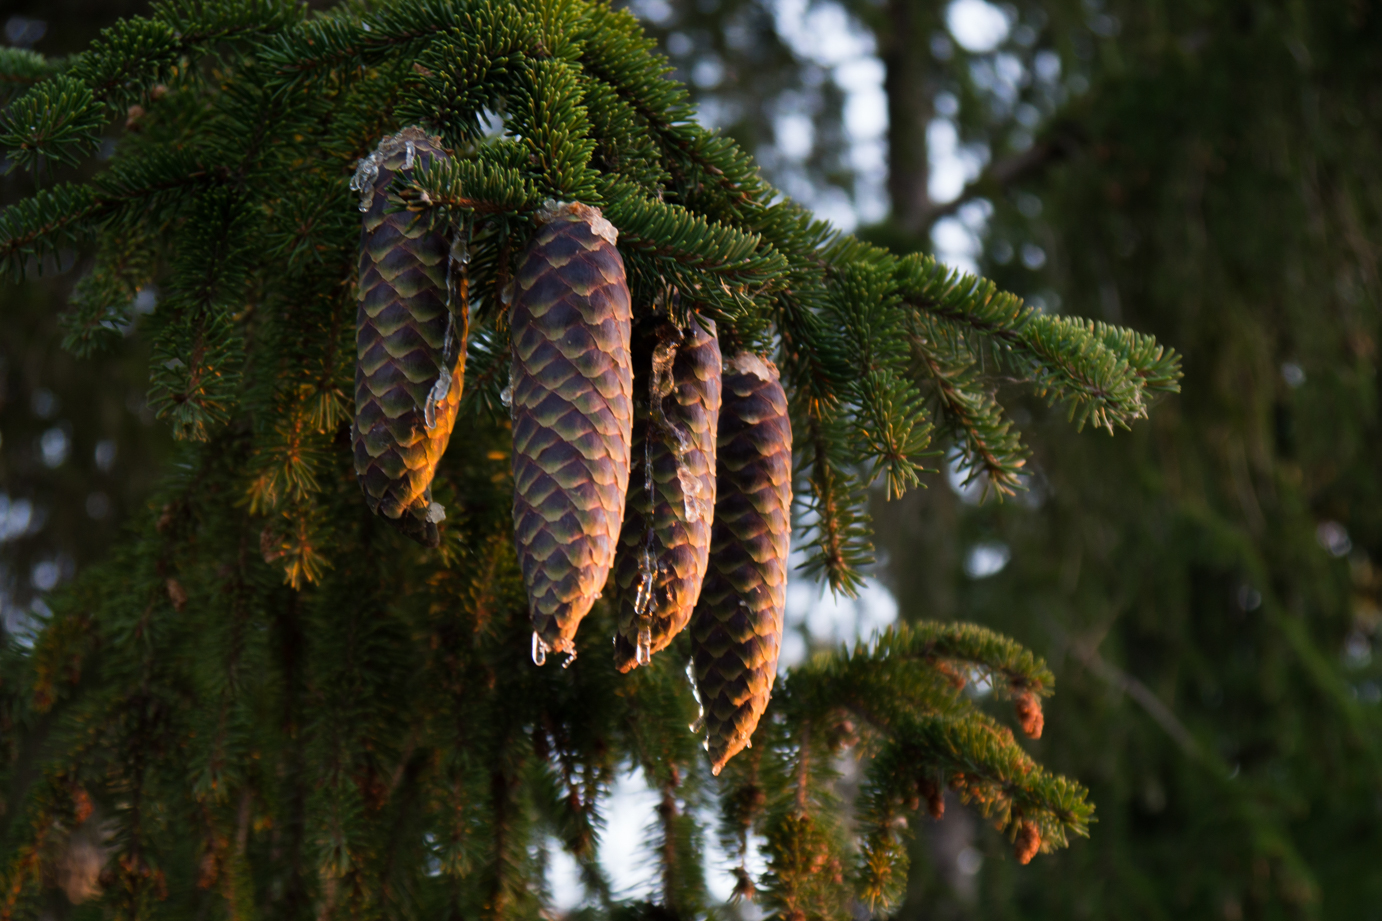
x: 410, y: 334
x: 661, y: 562
x: 572, y: 408
x: 736, y: 629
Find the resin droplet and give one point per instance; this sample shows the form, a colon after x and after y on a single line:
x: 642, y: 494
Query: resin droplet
x: 570, y: 657
x: 438, y: 393
x: 540, y: 650
x: 506, y: 395
x: 692, y: 493
x: 409, y: 153
x: 460, y: 247
x: 699, y: 725
x: 366, y: 171
x: 643, y: 652
x: 647, y: 575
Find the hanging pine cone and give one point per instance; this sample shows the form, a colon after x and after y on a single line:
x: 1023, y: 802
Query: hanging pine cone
x: 736, y: 629
x: 410, y: 333
x: 662, y: 558
x: 572, y: 406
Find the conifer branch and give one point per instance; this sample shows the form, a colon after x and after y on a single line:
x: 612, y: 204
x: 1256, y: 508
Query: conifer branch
x: 1068, y: 360
x: 989, y: 444
x: 21, y: 68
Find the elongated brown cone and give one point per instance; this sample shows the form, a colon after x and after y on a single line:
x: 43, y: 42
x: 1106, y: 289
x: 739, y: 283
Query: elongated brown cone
x: 572, y: 405
x: 410, y: 333
x: 736, y: 629
x: 662, y: 558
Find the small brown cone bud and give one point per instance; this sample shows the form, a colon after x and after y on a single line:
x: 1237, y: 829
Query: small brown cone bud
x: 1028, y: 843
x: 81, y: 806
x: 410, y: 333
x: 572, y: 407
x: 177, y: 595
x: 662, y: 558
x: 935, y: 798
x: 1028, y: 707
x: 736, y: 629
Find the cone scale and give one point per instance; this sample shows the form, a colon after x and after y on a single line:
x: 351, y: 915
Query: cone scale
x: 665, y: 544
x: 410, y: 329
x: 572, y: 408
x: 736, y: 628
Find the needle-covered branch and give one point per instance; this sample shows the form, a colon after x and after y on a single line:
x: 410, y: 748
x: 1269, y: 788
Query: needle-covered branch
x: 1100, y: 375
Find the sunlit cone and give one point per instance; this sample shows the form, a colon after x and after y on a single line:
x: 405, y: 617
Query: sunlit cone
x: 736, y: 629
x: 410, y: 333
x: 662, y: 560
x: 572, y: 405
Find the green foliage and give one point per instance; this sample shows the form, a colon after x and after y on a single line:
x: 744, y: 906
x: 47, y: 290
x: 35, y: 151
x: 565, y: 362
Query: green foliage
x: 279, y: 708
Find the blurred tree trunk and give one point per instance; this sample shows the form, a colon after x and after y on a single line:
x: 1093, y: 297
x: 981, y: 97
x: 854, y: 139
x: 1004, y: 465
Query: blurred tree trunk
x: 910, y: 84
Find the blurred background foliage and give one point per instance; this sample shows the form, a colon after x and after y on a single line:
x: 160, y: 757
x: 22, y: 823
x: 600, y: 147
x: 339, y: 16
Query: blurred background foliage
x: 79, y: 450
x: 1205, y: 586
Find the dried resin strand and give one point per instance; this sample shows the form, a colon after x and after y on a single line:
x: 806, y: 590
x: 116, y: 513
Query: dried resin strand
x: 660, y: 386
x: 666, y: 539
x: 647, y: 563
x: 458, y: 306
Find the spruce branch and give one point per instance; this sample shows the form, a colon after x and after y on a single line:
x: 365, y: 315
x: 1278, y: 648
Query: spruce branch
x: 1067, y: 360
x: 68, y: 215
x: 470, y: 187
x: 980, y: 760
x: 836, y: 524
x: 58, y: 121
x: 20, y: 69
x: 989, y: 445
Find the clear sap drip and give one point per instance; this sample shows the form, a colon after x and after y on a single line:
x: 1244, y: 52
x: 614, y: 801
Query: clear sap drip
x: 570, y: 657
x: 647, y: 564
x: 660, y: 386
x: 506, y: 395
x: 409, y: 154
x: 540, y: 650
x: 457, y: 282
x: 692, y: 494
x: 647, y: 578
x: 438, y: 393
x: 643, y: 652
x: 366, y: 171
x: 443, y: 383
x: 699, y: 725
x: 460, y: 246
